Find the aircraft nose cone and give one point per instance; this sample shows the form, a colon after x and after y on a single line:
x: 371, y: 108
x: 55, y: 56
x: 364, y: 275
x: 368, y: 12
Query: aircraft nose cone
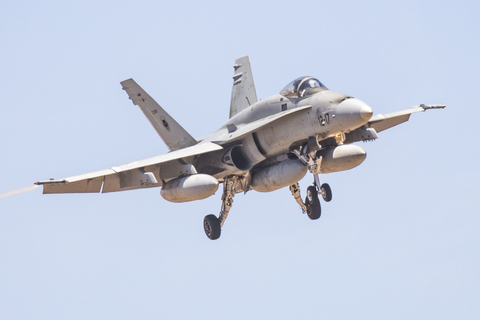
x: 356, y: 109
x: 366, y: 112
x: 353, y: 113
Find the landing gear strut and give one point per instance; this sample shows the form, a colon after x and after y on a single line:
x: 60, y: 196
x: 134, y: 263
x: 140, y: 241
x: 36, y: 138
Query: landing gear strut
x: 213, y: 225
x: 295, y: 189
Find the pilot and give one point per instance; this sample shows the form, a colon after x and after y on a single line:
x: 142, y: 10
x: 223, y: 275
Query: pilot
x: 308, y: 87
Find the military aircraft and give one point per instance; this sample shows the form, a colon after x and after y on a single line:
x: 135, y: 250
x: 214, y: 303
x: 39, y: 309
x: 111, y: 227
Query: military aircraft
x: 265, y: 145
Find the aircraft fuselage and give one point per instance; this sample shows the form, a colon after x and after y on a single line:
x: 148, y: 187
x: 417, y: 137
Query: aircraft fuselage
x: 265, y: 146
x: 330, y: 114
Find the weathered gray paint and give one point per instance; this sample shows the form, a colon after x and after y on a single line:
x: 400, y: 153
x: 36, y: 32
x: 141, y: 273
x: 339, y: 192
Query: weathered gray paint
x: 260, y: 131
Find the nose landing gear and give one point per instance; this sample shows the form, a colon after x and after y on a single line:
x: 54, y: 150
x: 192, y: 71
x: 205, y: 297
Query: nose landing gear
x: 312, y: 203
x: 314, y: 210
x: 312, y: 206
x: 326, y: 192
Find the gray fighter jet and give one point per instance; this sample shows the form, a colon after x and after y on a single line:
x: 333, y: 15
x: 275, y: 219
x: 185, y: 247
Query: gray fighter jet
x: 264, y: 146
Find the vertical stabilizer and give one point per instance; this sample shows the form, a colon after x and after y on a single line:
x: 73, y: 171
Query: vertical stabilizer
x: 243, y: 90
x: 174, y: 136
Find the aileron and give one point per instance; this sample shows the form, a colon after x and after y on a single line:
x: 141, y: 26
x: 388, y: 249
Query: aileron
x: 92, y: 185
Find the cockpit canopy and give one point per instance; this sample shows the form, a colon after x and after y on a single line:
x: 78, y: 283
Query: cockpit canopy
x: 302, y: 87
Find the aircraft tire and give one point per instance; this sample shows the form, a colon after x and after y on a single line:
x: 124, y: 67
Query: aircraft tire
x: 211, y: 225
x: 314, y: 211
x: 326, y: 192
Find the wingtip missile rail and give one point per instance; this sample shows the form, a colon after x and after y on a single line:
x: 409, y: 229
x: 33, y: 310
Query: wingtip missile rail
x: 431, y: 106
x: 51, y: 181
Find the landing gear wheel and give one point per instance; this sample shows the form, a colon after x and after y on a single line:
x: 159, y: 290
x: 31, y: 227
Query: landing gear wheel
x: 326, y: 192
x: 314, y: 210
x: 212, y: 227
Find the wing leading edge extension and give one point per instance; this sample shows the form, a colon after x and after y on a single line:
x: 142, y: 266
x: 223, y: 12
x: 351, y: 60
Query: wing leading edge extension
x: 240, y: 132
x: 140, y: 174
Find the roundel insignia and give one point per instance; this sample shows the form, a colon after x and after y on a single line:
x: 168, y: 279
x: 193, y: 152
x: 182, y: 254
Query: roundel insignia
x: 165, y: 123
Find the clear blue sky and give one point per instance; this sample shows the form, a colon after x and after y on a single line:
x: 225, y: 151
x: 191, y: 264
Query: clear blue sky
x: 400, y: 240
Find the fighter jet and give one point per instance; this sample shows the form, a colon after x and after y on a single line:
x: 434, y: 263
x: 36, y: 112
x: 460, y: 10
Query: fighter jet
x: 265, y: 145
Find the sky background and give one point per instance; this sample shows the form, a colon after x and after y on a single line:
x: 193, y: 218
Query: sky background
x: 400, y: 239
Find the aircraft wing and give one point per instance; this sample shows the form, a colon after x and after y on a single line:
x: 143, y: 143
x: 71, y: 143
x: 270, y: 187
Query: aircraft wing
x: 382, y: 122
x: 140, y: 174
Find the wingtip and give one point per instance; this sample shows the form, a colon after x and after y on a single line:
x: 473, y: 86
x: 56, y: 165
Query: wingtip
x: 51, y: 181
x: 126, y: 80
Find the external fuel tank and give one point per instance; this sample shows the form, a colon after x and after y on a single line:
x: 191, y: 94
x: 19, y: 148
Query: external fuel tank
x: 278, y: 175
x: 194, y: 187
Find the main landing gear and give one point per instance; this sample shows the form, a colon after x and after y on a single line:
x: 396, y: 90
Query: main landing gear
x: 213, y: 225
